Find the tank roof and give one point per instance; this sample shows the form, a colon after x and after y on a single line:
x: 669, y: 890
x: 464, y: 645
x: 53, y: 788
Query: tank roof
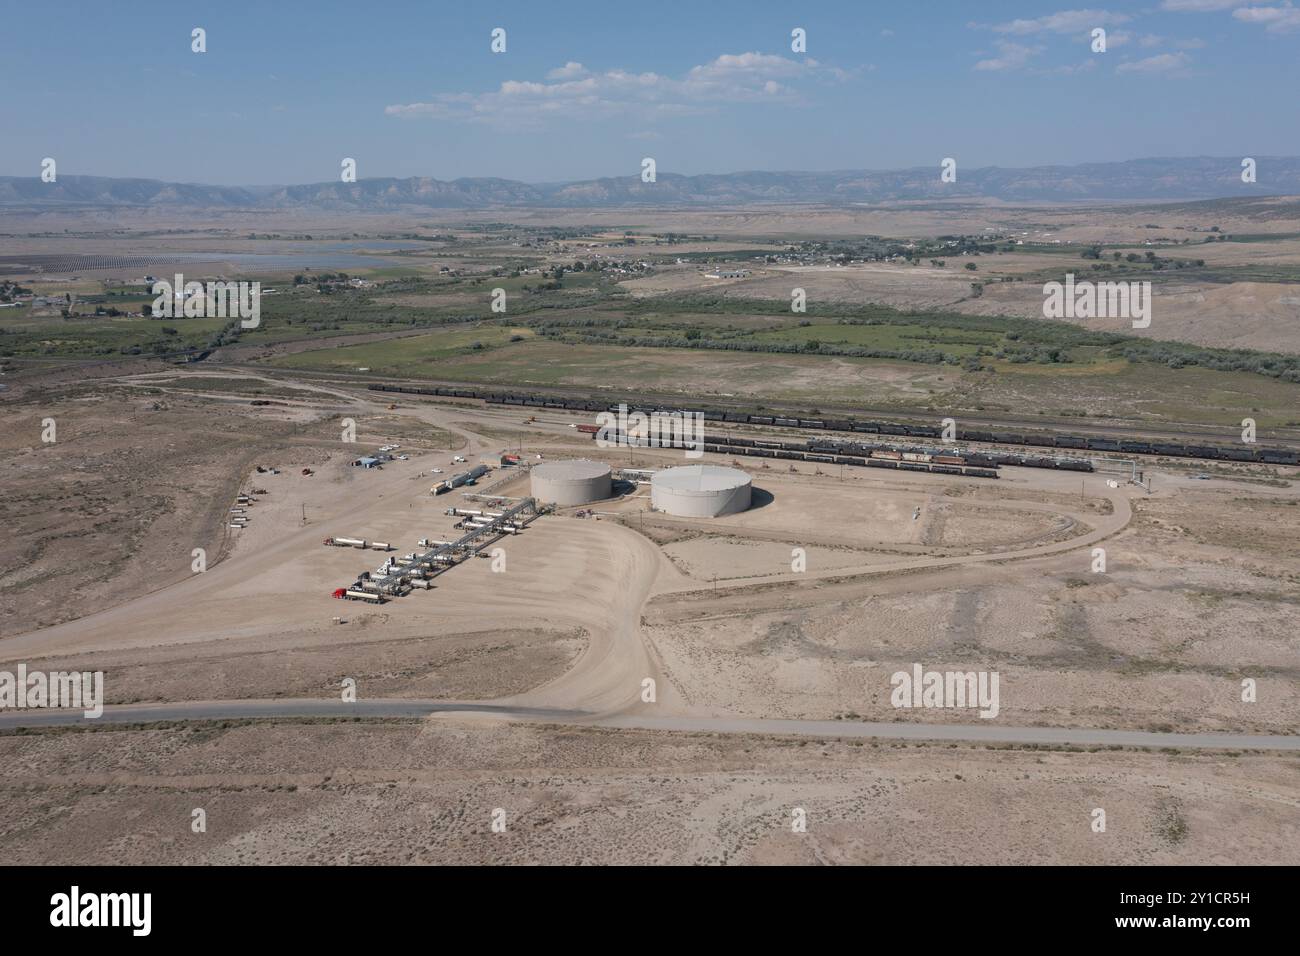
x: 701, y: 478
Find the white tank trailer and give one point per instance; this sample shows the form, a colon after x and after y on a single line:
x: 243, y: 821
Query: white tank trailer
x: 455, y: 481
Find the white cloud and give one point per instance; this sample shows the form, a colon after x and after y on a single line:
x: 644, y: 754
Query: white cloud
x: 1011, y: 56
x: 1281, y: 19
x: 1067, y: 21
x: 1149, y: 40
x: 569, y: 71
x: 1197, y: 6
x: 1161, y: 63
x: 1069, y: 69
x: 572, y: 90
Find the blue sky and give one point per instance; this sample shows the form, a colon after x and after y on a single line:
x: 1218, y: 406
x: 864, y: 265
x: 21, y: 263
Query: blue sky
x: 588, y: 89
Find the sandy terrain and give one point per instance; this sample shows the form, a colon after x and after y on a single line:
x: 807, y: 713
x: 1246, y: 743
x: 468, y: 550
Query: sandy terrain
x: 1264, y: 316
x: 1199, y: 592
x: 420, y: 794
x: 1235, y: 315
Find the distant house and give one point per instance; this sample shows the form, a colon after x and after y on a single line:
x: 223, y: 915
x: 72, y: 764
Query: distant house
x: 728, y: 274
x: 367, y: 462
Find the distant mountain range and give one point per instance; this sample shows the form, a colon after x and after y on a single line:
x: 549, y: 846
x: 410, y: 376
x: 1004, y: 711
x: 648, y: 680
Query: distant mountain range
x: 1139, y: 179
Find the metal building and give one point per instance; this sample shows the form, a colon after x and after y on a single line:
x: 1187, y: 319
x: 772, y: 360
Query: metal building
x: 700, y: 491
x: 575, y: 482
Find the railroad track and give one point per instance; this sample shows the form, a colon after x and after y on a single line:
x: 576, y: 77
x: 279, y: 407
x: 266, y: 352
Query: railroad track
x: 1038, y: 428
x: 1180, y: 432
x: 887, y: 429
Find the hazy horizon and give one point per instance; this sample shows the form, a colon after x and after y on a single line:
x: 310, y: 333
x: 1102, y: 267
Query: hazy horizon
x: 662, y: 173
x: 584, y: 91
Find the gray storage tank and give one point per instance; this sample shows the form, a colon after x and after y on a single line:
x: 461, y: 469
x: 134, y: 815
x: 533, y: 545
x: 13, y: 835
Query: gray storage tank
x: 700, y: 491
x: 576, y: 482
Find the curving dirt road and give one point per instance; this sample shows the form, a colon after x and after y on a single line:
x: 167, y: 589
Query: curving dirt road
x: 604, y: 686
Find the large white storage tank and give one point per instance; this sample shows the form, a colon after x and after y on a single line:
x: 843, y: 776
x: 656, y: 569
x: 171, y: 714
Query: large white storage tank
x: 700, y: 491
x: 575, y: 482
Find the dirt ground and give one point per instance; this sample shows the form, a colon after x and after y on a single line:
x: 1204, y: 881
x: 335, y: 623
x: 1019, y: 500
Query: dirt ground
x: 143, y: 472
x: 426, y: 793
x: 1200, y: 591
x: 1250, y: 315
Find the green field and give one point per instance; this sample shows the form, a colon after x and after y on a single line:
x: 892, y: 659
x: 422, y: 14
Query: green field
x: 1139, y: 391
x: 583, y: 331
x: 678, y: 371
x: 1111, y: 388
x: 899, y: 337
x: 97, y: 336
x: 408, y: 357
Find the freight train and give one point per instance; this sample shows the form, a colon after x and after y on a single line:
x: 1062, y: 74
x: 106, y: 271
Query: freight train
x: 1275, y: 456
x: 841, y: 453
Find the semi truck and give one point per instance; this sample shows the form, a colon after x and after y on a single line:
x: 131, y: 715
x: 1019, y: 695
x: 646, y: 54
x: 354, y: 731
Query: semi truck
x: 455, y: 481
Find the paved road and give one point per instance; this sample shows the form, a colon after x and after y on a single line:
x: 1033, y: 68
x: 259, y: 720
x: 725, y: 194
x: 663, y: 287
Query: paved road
x: 289, y: 707
x: 990, y: 732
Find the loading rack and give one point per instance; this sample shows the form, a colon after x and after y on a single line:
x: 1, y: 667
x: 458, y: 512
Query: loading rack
x: 440, y: 557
